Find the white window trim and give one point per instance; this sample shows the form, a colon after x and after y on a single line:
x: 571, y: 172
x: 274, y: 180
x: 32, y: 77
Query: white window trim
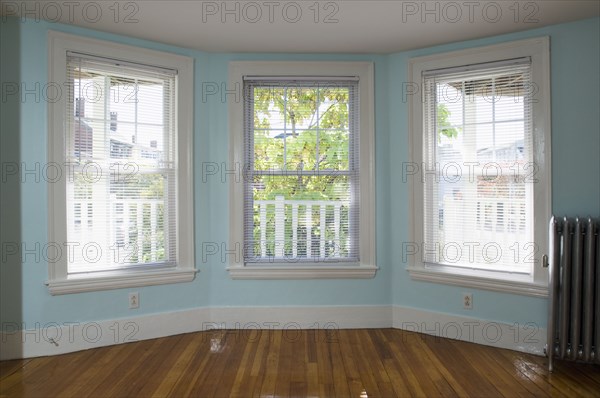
x: 60, y: 282
x: 539, y: 51
x: 367, y: 266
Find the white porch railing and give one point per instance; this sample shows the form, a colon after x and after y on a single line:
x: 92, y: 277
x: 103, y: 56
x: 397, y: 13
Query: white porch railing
x: 496, y: 221
x: 129, y: 227
x: 299, y: 217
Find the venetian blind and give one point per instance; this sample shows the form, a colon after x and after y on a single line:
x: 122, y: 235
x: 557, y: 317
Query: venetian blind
x: 478, y: 172
x: 121, y: 144
x: 301, y: 170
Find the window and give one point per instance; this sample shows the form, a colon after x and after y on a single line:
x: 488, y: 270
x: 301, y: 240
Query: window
x: 480, y: 135
x: 304, y: 135
x: 122, y: 134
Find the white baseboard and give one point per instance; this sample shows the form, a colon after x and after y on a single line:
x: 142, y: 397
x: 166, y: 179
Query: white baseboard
x: 54, y: 338
x: 527, y: 337
x: 318, y: 317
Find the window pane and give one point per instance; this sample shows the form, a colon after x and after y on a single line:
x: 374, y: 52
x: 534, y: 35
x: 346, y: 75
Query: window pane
x: 334, y: 108
x: 301, y: 218
x: 479, y: 207
x: 121, y: 201
x: 292, y: 123
x: 301, y: 202
x: 333, y: 150
x: 123, y: 99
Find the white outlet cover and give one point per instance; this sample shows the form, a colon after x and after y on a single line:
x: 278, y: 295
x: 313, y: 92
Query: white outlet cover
x: 468, y: 301
x: 134, y: 300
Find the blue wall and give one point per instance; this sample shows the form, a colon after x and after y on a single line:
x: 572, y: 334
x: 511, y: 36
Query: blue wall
x: 212, y: 285
x: 575, y: 93
x: 575, y: 97
x: 37, y: 307
x: 224, y: 290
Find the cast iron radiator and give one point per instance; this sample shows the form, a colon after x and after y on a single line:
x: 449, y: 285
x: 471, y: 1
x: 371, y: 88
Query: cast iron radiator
x: 574, y: 290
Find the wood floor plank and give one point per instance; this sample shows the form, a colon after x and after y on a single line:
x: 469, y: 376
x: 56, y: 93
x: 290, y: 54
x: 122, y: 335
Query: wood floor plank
x: 453, y: 358
x: 430, y: 368
x: 222, y: 385
x: 284, y: 367
x: 512, y: 373
x: 190, y: 343
x: 493, y: 374
x: 216, y: 380
x: 412, y: 377
x: 350, y: 359
x: 271, y: 365
x: 201, y: 360
x: 125, y: 380
x: 162, y: 365
x: 571, y: 378
x: 243, y: 376
x: 299, y: 363
x: 58, y: 372
x: 560, y: 381
x: 340, y: 384
x: 150, y: 371
x: 88, y: 378
x: 312, y: 369
x: 9, y: 367
x: 371, y: 369
x: 17, y: 381
x: 111, y: 367
x: 259, y: 364
x: 445, y: 373
x: 298, y: 370
x: 397, y: 380
x: 324, y: 368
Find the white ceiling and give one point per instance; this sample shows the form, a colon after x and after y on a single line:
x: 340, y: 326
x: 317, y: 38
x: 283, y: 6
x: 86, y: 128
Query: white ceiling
x: 342, y: 26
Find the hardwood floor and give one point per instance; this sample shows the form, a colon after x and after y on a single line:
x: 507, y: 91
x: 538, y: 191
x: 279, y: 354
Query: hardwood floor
x: 308, y: 363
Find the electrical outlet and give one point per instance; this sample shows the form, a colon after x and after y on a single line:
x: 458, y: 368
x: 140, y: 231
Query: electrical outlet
x: 134, y: 300
x: 468, y: 301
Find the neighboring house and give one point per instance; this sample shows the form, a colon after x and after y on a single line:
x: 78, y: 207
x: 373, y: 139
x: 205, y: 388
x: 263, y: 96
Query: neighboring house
x: 83, y: 132
x: 506, y: 155
x: 120, y: 149
x: 122, y: 146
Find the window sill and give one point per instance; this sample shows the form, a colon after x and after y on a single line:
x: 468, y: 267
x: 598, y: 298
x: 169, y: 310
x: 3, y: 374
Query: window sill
x: 119, y: 279
x: 506, y: 283
x: 302, y: 272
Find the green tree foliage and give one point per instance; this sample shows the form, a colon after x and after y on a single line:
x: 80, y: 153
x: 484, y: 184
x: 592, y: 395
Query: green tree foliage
x: 444, y: 126
x: 301, y: 130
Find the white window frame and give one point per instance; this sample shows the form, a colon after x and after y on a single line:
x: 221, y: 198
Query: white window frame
x: 536, y: 283
x: 366, y: 267
x: 60, y: 282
